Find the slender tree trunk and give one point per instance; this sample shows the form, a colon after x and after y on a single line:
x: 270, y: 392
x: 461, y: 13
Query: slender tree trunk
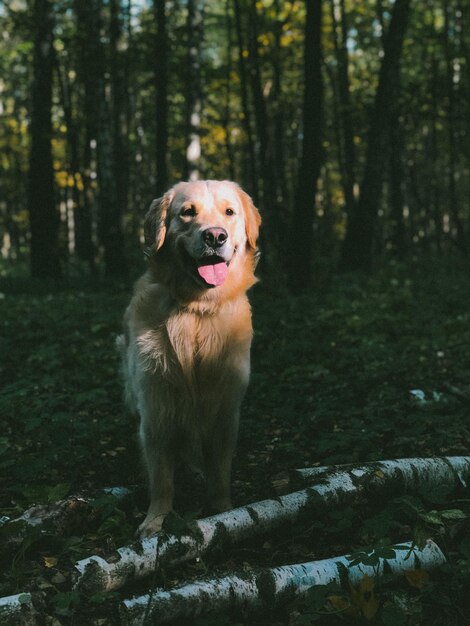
x: 301, y: 231
x: 265, y: 165
x: 358, y: 243
x: 451, y: 131
x: 396, y: 186
x: 161, y: 99
x: 87, y: 68
x: 119, y: 97
x: 194, y: 101
x: 100, y: 129
x: 44, y: 219
x: 82, y: 236
x: 251, y: 172
x: 109, y: 220
x: 278, y: 147
x: 396, y: 169
x: 276, y: 182
x: 347, y: 149
x: 434, y: 185
x: 228, y: 93
x: 259, y: 104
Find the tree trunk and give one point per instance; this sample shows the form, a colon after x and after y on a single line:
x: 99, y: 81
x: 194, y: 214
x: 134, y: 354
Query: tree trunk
x: 100, y: 128
x: 278, y: 150
x: 194, y: 100
x: 396, y: 183
x: 358, y: 243
x: 347, y: 149
x: 82, y: 236
x: 265, y: 588
x: 109, y: 218
x: 161, y: 98
x: 228, y: 94
x: 251, y: 172
x: 86, y: 70
x: 301, y: 231
x: 259, y: 105
x: 44, y: 219
x: 435, y: 184
x: 454, y: 211
x: 119, y: 105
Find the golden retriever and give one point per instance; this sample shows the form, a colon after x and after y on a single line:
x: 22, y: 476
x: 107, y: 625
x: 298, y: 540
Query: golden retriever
x: 186, y: 344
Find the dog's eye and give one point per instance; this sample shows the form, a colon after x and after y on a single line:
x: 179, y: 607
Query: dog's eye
x: 229, y: 211
x: 189, y: 211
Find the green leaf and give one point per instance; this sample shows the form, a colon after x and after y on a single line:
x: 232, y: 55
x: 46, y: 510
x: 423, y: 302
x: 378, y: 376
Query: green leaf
x: 433, y: 517
x: 386, y: 553
x: 65, y: 602
x: 453, y: 514
x: 57, y: 492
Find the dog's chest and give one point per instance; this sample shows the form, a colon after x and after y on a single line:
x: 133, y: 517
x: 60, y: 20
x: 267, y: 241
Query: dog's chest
x: 197, y: 340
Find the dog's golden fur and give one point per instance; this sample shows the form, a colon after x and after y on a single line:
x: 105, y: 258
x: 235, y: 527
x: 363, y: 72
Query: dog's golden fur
x: 186, y: 343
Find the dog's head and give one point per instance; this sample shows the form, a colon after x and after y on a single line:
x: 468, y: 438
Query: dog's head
x: 204, y: 229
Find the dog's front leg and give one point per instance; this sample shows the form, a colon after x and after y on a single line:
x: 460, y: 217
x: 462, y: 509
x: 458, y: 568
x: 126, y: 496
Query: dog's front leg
x: 221, y: 438
x: 160, y: 467
x: 218, y: 462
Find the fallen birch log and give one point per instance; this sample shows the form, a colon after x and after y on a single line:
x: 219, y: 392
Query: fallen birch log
x: 18, y: 610
x: 268, y: 587
x: 62, y: 514
x: 409, y: 474
x: 336, y: 487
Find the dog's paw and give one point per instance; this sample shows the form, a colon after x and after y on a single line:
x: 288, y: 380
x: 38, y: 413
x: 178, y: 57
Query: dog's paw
x: 151, y: 525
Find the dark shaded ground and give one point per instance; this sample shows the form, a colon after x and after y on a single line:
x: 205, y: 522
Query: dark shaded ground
x: 331, y: 382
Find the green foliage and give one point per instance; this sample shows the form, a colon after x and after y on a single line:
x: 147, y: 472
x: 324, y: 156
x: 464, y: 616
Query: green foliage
x: 60, y: 378
x: 372, y: 557
x: 65, y: 601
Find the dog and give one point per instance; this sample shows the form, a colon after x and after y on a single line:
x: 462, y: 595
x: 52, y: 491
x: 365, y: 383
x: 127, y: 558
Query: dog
x: 187, y: 336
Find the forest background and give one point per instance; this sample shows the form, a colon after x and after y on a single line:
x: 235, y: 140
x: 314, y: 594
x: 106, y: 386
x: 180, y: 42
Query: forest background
x: 348, y: 124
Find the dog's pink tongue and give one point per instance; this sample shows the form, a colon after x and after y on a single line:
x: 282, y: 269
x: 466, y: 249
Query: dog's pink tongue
x: 213, y: 274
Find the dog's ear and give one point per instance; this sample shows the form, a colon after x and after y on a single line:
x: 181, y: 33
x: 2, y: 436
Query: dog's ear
x: 155, y: 222
x: 252, y: 218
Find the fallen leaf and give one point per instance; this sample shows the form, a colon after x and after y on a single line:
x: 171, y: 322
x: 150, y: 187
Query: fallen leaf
x: 58, y: 579
x: 364, y: 598
x: 417, y: 578
x: 343, y: 605
x: 50, y: 561
x: 43, y: 584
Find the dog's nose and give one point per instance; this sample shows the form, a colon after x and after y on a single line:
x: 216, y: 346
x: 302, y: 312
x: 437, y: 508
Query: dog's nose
x: 215, y: 237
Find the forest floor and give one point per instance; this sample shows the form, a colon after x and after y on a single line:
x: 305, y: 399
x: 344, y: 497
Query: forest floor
x: 332, y: 376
